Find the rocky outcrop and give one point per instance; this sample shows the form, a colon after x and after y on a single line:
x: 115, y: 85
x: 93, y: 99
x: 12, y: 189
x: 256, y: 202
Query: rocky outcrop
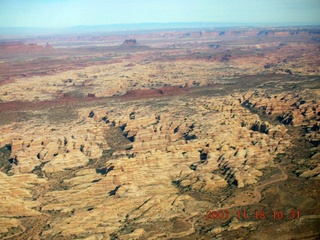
x: 55, y: 152
x: 289, y: 108
x: 299, y: 110
x: 16, y: 199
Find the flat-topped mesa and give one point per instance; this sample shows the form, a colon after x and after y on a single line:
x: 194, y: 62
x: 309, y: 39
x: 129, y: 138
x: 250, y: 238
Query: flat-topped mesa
x: 130, y: 43
x: 48, y: 47
x: 19, y: 47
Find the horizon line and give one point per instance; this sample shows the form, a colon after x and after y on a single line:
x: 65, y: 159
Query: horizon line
x: 240, y: 24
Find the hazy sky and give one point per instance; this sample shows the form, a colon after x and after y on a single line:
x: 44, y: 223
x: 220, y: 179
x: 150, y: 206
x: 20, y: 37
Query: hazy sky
x: 66, y: 13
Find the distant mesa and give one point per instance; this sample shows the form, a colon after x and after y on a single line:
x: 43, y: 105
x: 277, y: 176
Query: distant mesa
x: 130, y: 43
x: 20, y: 47
x: 48, y: 47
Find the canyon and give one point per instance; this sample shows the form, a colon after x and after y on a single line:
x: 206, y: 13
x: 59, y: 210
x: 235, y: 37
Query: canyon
x: 138, y: 136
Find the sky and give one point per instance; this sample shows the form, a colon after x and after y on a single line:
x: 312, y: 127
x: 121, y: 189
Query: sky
x: 69, y: 13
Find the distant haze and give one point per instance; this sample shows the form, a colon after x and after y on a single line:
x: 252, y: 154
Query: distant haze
x: 70, y: 13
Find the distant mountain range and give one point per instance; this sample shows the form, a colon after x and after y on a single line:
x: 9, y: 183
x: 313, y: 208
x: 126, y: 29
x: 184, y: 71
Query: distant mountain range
x: 14, y: 31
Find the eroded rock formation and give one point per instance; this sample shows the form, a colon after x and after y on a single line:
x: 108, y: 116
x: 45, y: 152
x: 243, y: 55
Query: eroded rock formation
x: 165, y: 150
x: 130, y: 43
